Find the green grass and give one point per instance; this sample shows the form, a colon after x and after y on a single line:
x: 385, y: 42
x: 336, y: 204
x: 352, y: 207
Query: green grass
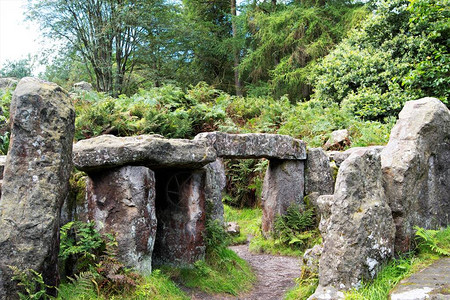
x: 249, y: 220
x: 222, y: 272
x: 156, y: 286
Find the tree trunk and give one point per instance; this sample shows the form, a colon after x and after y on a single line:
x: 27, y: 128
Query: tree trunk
x: 237, y: 82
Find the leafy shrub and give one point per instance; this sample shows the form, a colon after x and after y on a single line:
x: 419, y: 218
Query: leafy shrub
x: 398, y: 54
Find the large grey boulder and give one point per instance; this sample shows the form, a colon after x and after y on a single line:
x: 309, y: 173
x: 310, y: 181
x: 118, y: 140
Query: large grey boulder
x: 154, y: 151
x: 283, y: 186
x: 214, y: 188
x: 255, y: 145
x: 180, y: 210
x: 318, y: 177
x: 122, y: 202
x: 35, y: 181
x: 416, y: 170
x: 358, y: 230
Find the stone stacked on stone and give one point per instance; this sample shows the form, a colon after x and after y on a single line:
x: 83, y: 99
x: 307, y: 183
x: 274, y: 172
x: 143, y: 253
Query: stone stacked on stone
x: 357, y: 227
x: 255, y: 145
x: 154, y: 151
x: 35, y: 181
x: 283, y: 186
x: 416, y: 172
x: 122, y: 202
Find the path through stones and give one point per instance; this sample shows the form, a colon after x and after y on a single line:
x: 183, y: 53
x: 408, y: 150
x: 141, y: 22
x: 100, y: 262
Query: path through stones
x: 275, y: 276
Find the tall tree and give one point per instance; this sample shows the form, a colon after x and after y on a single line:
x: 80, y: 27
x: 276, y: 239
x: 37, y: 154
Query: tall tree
x: 237, y: 81
x: 106, y: 33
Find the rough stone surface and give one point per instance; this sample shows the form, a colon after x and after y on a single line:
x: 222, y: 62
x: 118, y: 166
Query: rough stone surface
x: 8, y: 82
x: 122, y: 202
x: 83, y: 85
x: 338, y: 140
x: 339, y: 156
x: 255, y: 145
x: 432, y: 282
x: 232, y: 228
x: 153, y: 151
x: 311, y: 258
x: 214, y: 188
x: 416, y: 170
x: 180, y: 210
x: 283, y: 186
x: 318, y: 177
x: 357, y: 225
x: 35, y: 183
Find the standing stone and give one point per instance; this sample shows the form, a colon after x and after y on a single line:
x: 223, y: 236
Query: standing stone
x: 8, y: 82
x: 122, y: 202
x: 416, y: 172
x: 359, y: 231
x: 180, y: 209
x: 318, y: 177
x: 214, y: 187
x: 35, y: 181
x: 283, y: 186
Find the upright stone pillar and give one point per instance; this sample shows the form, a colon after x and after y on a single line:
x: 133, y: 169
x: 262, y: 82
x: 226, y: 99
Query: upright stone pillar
x: 122, y: 202
x: 180, y: 209
x: 35, y: 181
x: 283, y: 186
x: 214, y: 187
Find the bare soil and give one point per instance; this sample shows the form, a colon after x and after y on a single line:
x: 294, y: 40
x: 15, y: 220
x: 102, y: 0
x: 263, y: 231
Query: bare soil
x: 275, y: 276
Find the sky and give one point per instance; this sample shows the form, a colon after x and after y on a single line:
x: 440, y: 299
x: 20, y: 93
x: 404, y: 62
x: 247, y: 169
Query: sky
x: 18, y: 37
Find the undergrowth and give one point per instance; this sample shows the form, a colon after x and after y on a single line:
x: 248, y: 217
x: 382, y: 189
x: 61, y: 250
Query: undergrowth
x: 222, y: 270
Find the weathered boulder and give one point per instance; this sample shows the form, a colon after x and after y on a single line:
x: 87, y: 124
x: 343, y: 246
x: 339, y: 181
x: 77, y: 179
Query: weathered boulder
x: 255, y: 145
x: 214, y: 187
x: 122, y: 202
x: 318, y: 177
x: 338, y: 140
x: 283, y: 186
x: 154, y: 151
x: 180, y: 210
x: 8, y: 82
x: 358, y: 231
x: 311, y: 259
x: 83, y: 85
x: 339, y: 156
x: 416, y: 170
x: 35, y: 181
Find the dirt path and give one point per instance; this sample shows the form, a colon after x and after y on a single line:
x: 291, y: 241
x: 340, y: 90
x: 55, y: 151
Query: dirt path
x: 275, y: 276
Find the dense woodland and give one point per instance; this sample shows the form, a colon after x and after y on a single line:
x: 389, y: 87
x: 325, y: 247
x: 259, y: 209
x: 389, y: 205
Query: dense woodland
x: 301, y: 67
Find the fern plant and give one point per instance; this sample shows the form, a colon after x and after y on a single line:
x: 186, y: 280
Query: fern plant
x: 438, y: 241
x: 295, y: 228
x: 32, y: 284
